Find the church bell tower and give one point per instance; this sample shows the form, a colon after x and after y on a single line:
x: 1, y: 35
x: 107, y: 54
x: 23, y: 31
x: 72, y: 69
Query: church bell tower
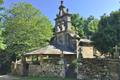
x: 63, y: 19
x: 63, y: 27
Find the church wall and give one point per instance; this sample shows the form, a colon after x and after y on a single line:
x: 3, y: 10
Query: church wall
x: 87, y: 51
x: 65, y: 41
x: 72, y: 43
x: 69, y: 25
x: 60, y: 39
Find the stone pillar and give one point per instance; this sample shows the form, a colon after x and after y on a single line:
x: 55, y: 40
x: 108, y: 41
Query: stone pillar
x: 24, y: 66
x: 77, y: 48
x: 94, y: 51
x: 62, y: 73
x: 62, y: 64
x: 77, y: 56
x: 79, y: 75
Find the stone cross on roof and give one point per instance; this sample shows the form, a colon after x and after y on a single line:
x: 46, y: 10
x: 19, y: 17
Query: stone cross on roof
x: 62, y: 9
x: 116, y: 53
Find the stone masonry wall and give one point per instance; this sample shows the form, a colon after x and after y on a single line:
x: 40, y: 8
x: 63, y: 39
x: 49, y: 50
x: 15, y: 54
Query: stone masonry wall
x: 98, y: 69
x: 46, y: 69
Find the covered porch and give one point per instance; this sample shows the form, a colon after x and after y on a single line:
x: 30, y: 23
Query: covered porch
x: 47, y: 61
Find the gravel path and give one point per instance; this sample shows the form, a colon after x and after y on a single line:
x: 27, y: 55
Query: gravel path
x: 8, y: 77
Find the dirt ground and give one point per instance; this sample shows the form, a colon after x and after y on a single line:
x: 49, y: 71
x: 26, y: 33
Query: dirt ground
x: 8, y: 77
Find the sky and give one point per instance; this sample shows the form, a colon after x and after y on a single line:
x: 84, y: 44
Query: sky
x: 84, y: 7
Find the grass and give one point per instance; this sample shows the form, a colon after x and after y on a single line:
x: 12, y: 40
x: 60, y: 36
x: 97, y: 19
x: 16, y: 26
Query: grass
x: 44, y: 78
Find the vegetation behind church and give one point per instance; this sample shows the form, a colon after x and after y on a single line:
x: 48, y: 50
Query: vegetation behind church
x: 85, y: 27
x: 105, y: 33
x: 108, y: 33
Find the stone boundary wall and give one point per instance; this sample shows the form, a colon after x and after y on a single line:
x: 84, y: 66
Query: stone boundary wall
x: 98, y: 69
x: 87, y: 69
x: 46, y: 69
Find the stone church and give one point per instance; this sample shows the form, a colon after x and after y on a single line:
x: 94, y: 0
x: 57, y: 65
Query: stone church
x: 65, y: 40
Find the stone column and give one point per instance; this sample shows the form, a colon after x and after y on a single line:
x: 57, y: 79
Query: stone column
x: 62, y: 73
x: 24, y: 64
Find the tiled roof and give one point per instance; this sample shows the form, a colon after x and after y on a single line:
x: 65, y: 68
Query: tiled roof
x: 48, y: 50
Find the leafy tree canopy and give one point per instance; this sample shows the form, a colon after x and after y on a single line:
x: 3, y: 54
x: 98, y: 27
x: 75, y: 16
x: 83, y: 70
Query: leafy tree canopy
x: 77, y: 22
x: 1, y: 1
x: 90, y: 26
x: 108, y: 34
x: 26, y: 28
x: 2, y: 45
x: 85, y: 27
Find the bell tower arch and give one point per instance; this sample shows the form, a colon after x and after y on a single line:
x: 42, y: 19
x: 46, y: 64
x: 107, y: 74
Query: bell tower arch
x: 63, y: 19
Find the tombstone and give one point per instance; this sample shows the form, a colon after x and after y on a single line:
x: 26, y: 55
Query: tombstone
x: 116, y: 53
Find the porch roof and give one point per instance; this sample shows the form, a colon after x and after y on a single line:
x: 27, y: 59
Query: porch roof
x: 49, y: 50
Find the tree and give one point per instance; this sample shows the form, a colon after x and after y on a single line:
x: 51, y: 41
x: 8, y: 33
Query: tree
x: 1, y: 1
x: 108, y: 34
x: 3, y: 59
x: 77, y: 22
x: 2, y: 45
x: 85, y: 27
x: 90, y: 26
x: 26, y: 28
